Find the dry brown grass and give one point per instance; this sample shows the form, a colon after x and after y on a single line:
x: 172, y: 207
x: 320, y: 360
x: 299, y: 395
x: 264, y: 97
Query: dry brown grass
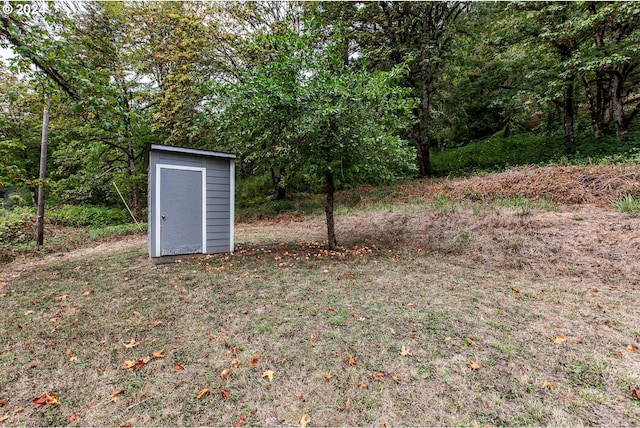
x: 446, y: 281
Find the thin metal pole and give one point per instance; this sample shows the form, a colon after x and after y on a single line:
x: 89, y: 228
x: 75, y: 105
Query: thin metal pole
x: 43, y: 174
x: 128, y: 209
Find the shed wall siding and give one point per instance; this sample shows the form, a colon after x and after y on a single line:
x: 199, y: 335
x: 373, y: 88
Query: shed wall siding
x: 219, y: 196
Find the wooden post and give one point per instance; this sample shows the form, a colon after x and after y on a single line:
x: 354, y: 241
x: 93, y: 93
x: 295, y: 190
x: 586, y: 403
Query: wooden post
x: 43, y: 174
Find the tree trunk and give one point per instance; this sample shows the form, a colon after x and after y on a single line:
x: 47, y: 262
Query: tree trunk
x: 568, y: 111
x: 593, y: 111
x: 421, y: 135
x: 328, y: 209
x: 279, y: 192
x: 617, y: 110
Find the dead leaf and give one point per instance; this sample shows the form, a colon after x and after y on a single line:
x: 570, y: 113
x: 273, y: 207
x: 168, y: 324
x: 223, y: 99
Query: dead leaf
x: 559, y: 339
x: 235, y: 362
x: 473, y: 365
x: 547, y: 384
x: 73, y: 417
x: 634, y: 393
x: 304, y: 421
x: 328, y: 376
x: 141, y: 362
x: 178, y: 367
x: 234, y: 351
x: 50, y: 399
x: 253, y: 361
x: 470, y: 341
x: 4, y: 403
x: 352, y: 361
x: 362, y: 385
x: 268, y: 374
x: 224, y: 394
x: 378, y: 375
x: 406, y: 352
x: 18, y: 410
x: 632, y: 348
x: 242, y: 420
x: 131, y: 344
x: 128, y: 364
x: 4, y: 418
x: 225, y: 373
x: 203, y: 392
x: 159, y: 354
x: 88, y: 292
x: 39, y: 401
x: 63, y: 297
x: 345, y: 406
x: 114, y: 396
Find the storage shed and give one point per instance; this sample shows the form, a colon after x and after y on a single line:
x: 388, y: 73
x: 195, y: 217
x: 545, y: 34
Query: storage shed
x: 191, y: 198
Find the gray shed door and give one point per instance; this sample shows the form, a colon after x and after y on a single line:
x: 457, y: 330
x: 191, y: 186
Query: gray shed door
x: 181, y: 217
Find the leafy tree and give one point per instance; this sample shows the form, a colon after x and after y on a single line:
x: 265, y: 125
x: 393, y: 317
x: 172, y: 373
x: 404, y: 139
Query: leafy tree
x: 20, y: 122
x: 309, y: 112
x: 419, y: 35
x: 609, y: 67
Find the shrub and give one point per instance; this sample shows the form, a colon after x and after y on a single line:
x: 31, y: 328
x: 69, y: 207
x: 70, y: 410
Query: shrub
x: 16, y: 225
x: 85, y: 215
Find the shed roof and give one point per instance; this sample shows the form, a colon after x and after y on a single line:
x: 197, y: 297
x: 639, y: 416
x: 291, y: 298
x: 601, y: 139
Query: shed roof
x: 189, y: 151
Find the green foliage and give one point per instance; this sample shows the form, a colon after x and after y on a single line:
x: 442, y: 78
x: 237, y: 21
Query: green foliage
x: 84, y: 215
x: 497, y: 153
x: 16, y: 225
x: 628, y: 204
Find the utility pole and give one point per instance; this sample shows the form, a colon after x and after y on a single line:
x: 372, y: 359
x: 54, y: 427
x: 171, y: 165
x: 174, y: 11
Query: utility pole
x: 43, y: 174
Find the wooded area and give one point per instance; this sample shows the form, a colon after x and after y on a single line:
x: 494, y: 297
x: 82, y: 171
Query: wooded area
x: 316, y: 96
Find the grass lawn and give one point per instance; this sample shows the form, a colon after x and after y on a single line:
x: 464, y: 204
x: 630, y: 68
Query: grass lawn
x: 531, y: 319
x: 364, y: 338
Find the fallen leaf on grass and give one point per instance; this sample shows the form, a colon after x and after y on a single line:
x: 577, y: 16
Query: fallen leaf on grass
x: 304, y: 421
x: 178, y: 367
x: 203, y: 392
x: 406, y: 352
x: 114, y: 396
x: 547, y: 384
x: 224, y: 394
x: 268, y: 374
x: 225, y: 373
x: 88, y: 292
x: 362, y: 385
x: 378, y: 375
x: 18, y: 410
x: 4, y: 403
x: 159, y: 354
x: 634, y: 393
x: 131, y: 344
x: 345, y: 406
x: 328, y: 376
x: 235, y: 362
x: 473, y: 365
x: 559, y: 339
x: 470, y: 341
x: 73, y: 417
x: 253, y: 361
x: 242, y: 420
x: 632, y: 348
x: 4, y: 418
x: 352, y: 361
x: 63, y: 297
x: 49, y: 399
